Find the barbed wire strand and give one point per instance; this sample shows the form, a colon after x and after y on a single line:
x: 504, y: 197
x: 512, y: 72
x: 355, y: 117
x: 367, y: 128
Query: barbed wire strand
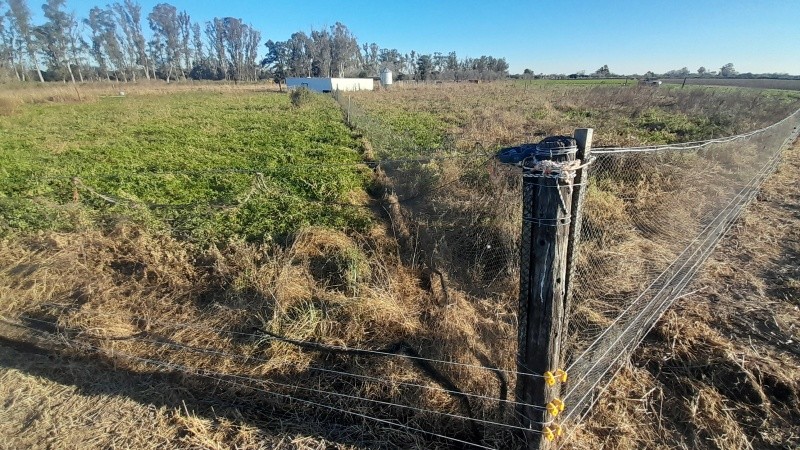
x: 292, y: 386
x: 311, y: 367
x: 213, y: 375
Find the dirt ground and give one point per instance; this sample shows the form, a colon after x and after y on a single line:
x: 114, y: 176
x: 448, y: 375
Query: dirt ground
x: 719, y: 371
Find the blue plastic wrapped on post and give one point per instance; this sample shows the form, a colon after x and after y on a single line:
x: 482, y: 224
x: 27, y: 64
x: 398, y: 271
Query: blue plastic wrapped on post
x: 515, y: 155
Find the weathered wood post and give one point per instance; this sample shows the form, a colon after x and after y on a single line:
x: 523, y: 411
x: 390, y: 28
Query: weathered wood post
x: 548, y: 198
x: 583, y: 138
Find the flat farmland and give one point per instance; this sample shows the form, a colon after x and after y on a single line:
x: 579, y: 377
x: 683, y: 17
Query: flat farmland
x: 789, y: 85
x: 219, y: 268
x: 213, y: 164
x: 464, y: 117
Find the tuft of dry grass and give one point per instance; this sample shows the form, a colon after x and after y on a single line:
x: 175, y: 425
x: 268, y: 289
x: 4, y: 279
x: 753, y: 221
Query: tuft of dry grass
x: 8, y: 106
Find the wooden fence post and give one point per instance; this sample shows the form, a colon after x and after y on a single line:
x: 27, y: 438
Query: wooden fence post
x: 547, y: 215
x: 583, y: 138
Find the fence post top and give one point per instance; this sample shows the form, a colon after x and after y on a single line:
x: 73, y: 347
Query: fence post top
x: 584, y: 138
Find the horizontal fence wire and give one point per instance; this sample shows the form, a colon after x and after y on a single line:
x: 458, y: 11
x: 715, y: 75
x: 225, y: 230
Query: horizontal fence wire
x: 192, y: 349
x: 230, y: 379
x: 266, y: 337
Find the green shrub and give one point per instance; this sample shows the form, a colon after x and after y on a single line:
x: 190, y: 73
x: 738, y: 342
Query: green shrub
x: 301, y: 96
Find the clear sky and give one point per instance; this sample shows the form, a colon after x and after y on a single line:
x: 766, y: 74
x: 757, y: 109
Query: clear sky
x: 549, y: 36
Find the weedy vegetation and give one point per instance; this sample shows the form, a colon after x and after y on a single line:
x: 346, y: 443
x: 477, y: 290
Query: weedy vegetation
x: 192, y: 225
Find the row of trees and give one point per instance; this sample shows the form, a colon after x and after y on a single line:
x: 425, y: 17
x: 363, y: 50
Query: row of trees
x: 337, y: 53
x: 118, y: 42
x: 110, y: 43
x: 726, y: 71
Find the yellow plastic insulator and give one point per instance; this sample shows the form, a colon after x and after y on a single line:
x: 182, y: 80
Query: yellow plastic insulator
x: 549, y: 378
x: 555, y: 407
x: 559, y: 431
x: 549, y: 434
x: 562, y: 375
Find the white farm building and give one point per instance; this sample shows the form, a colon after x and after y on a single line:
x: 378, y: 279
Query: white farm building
x: 332, y: 84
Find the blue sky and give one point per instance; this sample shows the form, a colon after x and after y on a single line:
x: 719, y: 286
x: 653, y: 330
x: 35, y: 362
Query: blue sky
x: 549, y: 36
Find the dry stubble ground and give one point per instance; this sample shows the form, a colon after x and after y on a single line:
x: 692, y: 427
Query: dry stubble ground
x: 719, y: 371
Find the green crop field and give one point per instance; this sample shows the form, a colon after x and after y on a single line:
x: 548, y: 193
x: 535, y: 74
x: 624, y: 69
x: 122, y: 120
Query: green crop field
x: 208, y: 165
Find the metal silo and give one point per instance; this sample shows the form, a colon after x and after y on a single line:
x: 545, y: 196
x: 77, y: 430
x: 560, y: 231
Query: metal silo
x: 386, y: 77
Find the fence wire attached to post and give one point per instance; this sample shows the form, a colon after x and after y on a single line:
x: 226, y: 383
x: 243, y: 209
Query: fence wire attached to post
x: 548, y: 174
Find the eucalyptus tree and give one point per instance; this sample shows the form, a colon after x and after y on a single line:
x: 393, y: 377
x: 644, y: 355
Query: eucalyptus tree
x: 234, y: 48
x: 216, y: 43
x: 163, y: 20
x: 197, y: 43
x: 21, y: 15
x: 299, y: 55
x: 344, y: 49
x: 321, y: 53
x: 277, y: 61
x: 185, y: 29
x: 370, y: 58
x: 55, y: 40
x: 7, y: 45
x: 129, y: 18
x: 106, y: 47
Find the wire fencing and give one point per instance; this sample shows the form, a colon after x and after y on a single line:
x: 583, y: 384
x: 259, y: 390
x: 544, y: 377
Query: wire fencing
x: 652, y: 215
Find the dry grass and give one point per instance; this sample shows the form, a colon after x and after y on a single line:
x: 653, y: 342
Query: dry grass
x: 493, y: 115
x: 121, y: 291
x: 15, y: 94
x: 720, y: 369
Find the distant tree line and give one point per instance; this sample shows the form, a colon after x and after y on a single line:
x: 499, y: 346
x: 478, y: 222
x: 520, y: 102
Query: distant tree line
x: 337, y: 53
x: 110, y: 44
x: 119, y: 42
x: 726, y: 71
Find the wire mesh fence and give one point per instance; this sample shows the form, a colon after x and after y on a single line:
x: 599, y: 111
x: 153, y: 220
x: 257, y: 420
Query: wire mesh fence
x: 651, y: 218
